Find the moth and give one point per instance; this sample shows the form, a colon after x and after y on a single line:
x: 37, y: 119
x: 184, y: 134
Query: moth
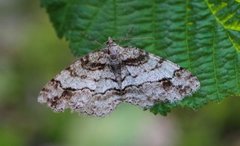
x: 96, y: 83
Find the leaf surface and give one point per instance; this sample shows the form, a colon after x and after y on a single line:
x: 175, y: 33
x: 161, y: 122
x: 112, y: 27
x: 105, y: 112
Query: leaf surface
x: 200, y: 35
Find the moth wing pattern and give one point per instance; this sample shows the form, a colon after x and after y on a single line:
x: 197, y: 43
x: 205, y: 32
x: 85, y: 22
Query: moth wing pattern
x: 87, y: 86
x: 96, y: 83
x: 157, y: 80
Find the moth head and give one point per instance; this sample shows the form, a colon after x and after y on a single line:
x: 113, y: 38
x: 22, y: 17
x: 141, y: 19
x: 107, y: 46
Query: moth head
x: 112, y: 49
x: 114, y: 52
x: 110, y: 42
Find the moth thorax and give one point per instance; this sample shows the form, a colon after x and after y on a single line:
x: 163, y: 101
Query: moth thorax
x: 113, y: 52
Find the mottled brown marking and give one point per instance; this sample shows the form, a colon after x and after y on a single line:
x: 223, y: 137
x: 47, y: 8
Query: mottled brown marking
x: 45, y: 90
x: 83, y: 76
x: 142, y: 58
x: 167, y: 84
x: 85, y: 63
x: 178, y: 73
x: 188, y: 77
x: 183, y: 90
x: 161, y: 60
x: 67, y: 94
x: 55, y: 98
x: 96, y: 66
x: 72, y: 71
x: 53, y: 102
x: 119, y: 92
x: 71, y: 89
x: 84, y: 60
x: 98, y: 97
x: 54, y: 83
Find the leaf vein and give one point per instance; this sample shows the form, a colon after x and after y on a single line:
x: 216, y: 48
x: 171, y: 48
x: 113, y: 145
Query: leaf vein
x: 186, y: 34
x: 215, y: 63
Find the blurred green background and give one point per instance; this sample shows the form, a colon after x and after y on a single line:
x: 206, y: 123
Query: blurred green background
x: 31, y: 54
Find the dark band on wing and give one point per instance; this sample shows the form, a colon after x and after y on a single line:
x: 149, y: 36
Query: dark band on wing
x: 85, y: 63
x: 140, y: 59
x: 67, y: 93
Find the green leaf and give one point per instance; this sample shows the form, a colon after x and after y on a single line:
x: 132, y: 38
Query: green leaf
x: 200, y: 35
x: 228, y: 15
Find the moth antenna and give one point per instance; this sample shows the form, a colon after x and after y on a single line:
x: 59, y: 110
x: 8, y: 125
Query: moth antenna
x: 93, y: 40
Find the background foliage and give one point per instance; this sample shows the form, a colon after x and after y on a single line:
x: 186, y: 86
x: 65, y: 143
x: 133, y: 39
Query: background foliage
x: 31, y: 54
x: 202, y: 36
